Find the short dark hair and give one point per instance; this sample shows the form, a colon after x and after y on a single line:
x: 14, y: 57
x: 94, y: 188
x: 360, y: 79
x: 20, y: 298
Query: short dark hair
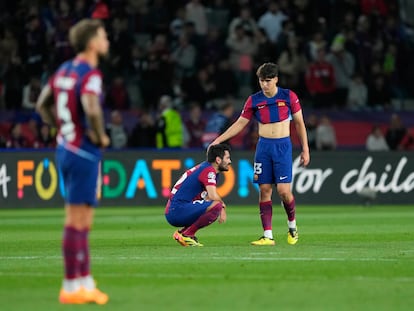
x: 267, y: 71
x: 217, y: 151
x: 82, y: 32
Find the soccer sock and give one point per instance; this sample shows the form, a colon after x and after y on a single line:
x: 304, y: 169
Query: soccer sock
x: 290, y: 212
x: 87, y: 282
x: 72, y: 251
x: 204, y: 220
x: 84, y: 266
x: 266, y: 211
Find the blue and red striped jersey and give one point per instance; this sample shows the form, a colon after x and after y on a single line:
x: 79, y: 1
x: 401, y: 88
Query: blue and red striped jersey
x: 271, y: 110
x: 73, y: 79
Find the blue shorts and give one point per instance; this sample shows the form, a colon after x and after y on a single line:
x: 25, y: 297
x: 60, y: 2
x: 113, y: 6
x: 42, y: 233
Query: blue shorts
x: 273, y: 161
x: 80, y: 175
x: 184, y: 214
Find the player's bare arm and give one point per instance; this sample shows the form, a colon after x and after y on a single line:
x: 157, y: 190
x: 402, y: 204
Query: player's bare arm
x: 232, y: 131
x: 44, y: 106
x: 214, y: 196
x: 303, y: 137
x: 94, y: 114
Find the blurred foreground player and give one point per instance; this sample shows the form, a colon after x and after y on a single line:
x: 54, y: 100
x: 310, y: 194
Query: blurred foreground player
x: 194, y: 202
x: 73, y: 94
x: 273, y: 107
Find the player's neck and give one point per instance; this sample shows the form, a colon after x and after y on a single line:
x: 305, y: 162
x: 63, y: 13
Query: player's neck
x: 90, y: 57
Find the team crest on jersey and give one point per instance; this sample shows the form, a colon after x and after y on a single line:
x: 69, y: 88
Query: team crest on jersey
x: 281, y: 103
x: 211, y: 177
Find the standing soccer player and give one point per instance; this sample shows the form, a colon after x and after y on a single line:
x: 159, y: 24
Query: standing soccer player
x: 194, y: 202
x: 75, y: 90
x: 273, y: 107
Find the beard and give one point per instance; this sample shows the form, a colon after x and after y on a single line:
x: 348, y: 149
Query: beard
x: 222, y: 168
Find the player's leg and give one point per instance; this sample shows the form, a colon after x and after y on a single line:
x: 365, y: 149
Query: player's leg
x: 192, y: 216
x: 283, y: 176
x: 207, y: 218
x: 263, y: 175
x: 81, y: 180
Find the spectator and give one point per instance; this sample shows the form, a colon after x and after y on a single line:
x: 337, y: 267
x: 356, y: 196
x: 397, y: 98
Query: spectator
x: 320, y: 81
x: 343, y: 64
x: 200, y: 88
x: 379, y: 94
x: 35, y: 48
x: 271, y: 21
x: 245, y: 20
x: 195, y: 126
x: 225, y: 80
x: 357, y: 98
x: 376, y: 140
x: 116, y: 131
x: 143, y: 133
x: 117, y: 97
x: 242, y: 49
x: 311, y: 126
x: 218, y: 123
x: 292, y: 65
x: 316, y: 43
x: 31, y: 92
x: 196, y: 13
x: 325, y: 135
x: 407, y: 143
x: 45, y: 138
x: 170, y: 128
x: 184, y: 58
x: 395, y: 132
x: 16, y: 139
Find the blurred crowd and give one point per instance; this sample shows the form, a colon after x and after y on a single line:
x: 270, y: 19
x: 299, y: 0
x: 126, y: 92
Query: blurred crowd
x: 194, y: 61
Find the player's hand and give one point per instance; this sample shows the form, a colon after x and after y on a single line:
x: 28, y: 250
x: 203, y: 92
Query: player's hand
x: 212, y: 144
x: 223, y: 215
x: 304, y: 158
x: 104, y: 141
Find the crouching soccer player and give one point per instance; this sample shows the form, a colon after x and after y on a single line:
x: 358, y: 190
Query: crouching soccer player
x: 75, y: 89
x: 194, y: 202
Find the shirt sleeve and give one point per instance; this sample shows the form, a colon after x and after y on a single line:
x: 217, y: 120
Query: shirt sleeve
x: 208, y: 177
x: 247, y: 111
x: 92, y: 83
x: 294, y: 102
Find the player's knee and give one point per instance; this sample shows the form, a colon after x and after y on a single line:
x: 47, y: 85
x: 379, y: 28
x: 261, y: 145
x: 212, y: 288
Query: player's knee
x: 285, y: 196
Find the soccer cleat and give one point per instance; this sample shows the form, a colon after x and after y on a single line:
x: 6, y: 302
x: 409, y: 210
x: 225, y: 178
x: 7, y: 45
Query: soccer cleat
x: 77, y: 297
x: 293, y: 236
x: 263, y: 241
x: 95, y: 296
x: 186, y: 240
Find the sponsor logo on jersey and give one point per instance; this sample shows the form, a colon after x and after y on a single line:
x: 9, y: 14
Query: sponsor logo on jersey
x: 211, y: 177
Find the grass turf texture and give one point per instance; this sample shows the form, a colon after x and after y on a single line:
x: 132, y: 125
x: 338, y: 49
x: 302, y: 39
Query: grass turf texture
x: 347, y: 258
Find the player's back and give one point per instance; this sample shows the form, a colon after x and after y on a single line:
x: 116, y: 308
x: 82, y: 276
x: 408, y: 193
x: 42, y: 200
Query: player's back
x: 73, y: 79
x: 192, y: 183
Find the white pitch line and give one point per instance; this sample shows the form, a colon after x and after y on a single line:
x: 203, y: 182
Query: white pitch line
x: 142, y: 275
x: 245, y: 258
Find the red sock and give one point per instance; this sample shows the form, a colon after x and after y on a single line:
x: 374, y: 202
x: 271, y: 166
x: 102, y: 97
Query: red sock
x: 204, y: 220
x: 84, y: 267
x: 266, y: 212
x: 72, y: 251
x: 290, y: 209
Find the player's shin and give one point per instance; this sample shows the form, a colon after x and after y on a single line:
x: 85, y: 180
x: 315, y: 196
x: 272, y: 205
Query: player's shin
x: 204, y: 220
x: 266, y: 212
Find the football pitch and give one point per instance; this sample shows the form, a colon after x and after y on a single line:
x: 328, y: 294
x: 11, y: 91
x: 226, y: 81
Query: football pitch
x: 347, y: 258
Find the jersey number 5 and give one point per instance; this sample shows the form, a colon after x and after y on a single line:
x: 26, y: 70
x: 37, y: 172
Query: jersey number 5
x: 67, y: 128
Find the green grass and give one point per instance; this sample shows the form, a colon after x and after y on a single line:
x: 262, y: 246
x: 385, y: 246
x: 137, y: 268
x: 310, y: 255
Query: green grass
x: 347, y: 258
